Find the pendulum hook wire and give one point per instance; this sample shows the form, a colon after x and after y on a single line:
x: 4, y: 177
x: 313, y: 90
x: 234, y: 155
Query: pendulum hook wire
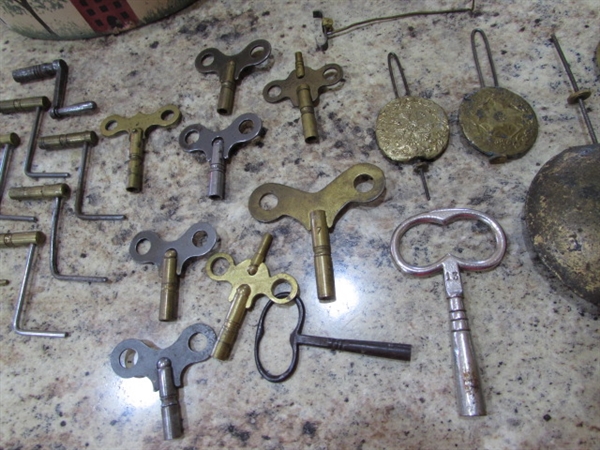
x: 489, y: 55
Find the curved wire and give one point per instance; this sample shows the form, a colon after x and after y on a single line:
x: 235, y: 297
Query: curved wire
x: 394, y: 57
x: 489, y: 55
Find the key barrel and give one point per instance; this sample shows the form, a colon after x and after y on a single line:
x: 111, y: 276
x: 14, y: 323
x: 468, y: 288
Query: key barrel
x: 233, y: 322
x: 169, y: 400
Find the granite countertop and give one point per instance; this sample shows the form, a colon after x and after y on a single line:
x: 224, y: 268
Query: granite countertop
x: 537, y: 344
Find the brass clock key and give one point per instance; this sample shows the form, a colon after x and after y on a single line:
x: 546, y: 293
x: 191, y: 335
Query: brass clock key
x: 170, y: 257
x: 249, y: 279
x: 303, y: 87
x: 230, y: 68
x: 411, y: 129
x: 317, y: 212
x: 495, y: 121
x: 138, y: 128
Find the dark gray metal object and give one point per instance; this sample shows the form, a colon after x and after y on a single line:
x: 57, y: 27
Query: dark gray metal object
x: 59, y: 69
x: 9, y: 142
x: 164, y: 368
x: 217, y: 146
x: 230, y: 68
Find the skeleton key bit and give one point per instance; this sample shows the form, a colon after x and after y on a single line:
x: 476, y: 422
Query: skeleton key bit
x: 217, y: 146
x: 138, y: 128
x: 302, y: 87
x: 317, y: 212
x: 164, y: 368
x: 229, y: 68
x: 249, y: 280
x: 170, y: 258
x: 466, y: 373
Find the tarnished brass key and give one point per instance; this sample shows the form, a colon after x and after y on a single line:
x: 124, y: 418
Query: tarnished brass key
x: 170, y: 257
x: 317, y: 212
x: 22, y: 239
x: 249, y: 279
x: 39, y: 105
x: 138, y: 128
x: 303, y: 87
x: 217, y: 146
x: 229, y: 68
x: 164, y: 368
x: 9, y: 142
x: 58, y: 192
x: 85, y: 140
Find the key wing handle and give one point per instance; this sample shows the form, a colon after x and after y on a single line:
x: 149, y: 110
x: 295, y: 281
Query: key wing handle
x: 261, y: 283
x: 243, y: 129
x: 346, y: 188
x: 164, y: 117
x: 213, y: 60
x: 444, y: 217
x: 186, y: 246
x: 316, y: 80
x: 134, y: 358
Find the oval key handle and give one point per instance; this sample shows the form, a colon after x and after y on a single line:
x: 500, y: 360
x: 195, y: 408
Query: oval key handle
x: 164, y: 117
x: 181, y: 354
x: 445, y: 217
x: 213, y: 60
x: 185, y: 246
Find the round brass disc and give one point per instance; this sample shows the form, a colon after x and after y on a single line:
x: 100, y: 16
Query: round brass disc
x: 412, y: 127
x: 563, y: 218
x: 498, y: 123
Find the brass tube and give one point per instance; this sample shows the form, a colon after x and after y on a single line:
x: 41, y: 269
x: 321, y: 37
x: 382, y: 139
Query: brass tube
x: 69, y: 140
x: 261, y: 254
x: 135, y: 169
x: 227, y: 94
x: 307, y: 111
x: 299, y: 65
x: 24, y: 104
x: 21, y: 239
x: 10, y: 139
x: 322, y: 255
x: 233, y: 322
x: 169, y: 287
x: 60, y: 190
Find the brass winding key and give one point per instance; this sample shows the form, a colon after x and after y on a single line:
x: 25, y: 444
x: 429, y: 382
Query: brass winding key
x: 138, y: 128
x: 198, y: 240
x: 317, y: 212
x: 249, y: 279
x: 230, y: 68
x: 303, y: 87
x: 217, y: 146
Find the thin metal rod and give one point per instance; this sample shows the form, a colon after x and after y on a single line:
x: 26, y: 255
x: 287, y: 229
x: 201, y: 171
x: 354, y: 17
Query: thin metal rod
x: 81, y: 190
x: 54, y: 252
x: 580, y: 100
x: 489, y: 55
x: 21, y: 304
x: 421, y: 167
x: 393, y: 57
x: 4, y: 163
x: 31, y: 152
x: 397, y: 16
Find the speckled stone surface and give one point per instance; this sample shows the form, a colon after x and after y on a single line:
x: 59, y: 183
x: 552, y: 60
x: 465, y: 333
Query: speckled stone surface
x: 537, y: 344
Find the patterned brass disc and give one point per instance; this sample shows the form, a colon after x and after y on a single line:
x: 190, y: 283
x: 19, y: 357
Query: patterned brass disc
x: 412, y: 128
x: 563, y: 218
x: 498, y: 123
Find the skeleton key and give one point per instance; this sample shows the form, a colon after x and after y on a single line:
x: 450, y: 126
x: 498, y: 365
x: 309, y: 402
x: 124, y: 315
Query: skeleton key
x: 466, y: 373
x: 249, y: 280
x: 317, y: 212
x: 217, y: 146
x: 303, y: 87
x: 133, y: 358
x: 229, y: 68
x: 170, y: 257
x: 138, y: 128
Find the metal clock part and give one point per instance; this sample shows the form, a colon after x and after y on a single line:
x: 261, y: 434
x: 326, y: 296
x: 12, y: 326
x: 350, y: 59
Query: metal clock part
x: 411, y: 129
x: 495, y: 121
x: 562, y: 209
